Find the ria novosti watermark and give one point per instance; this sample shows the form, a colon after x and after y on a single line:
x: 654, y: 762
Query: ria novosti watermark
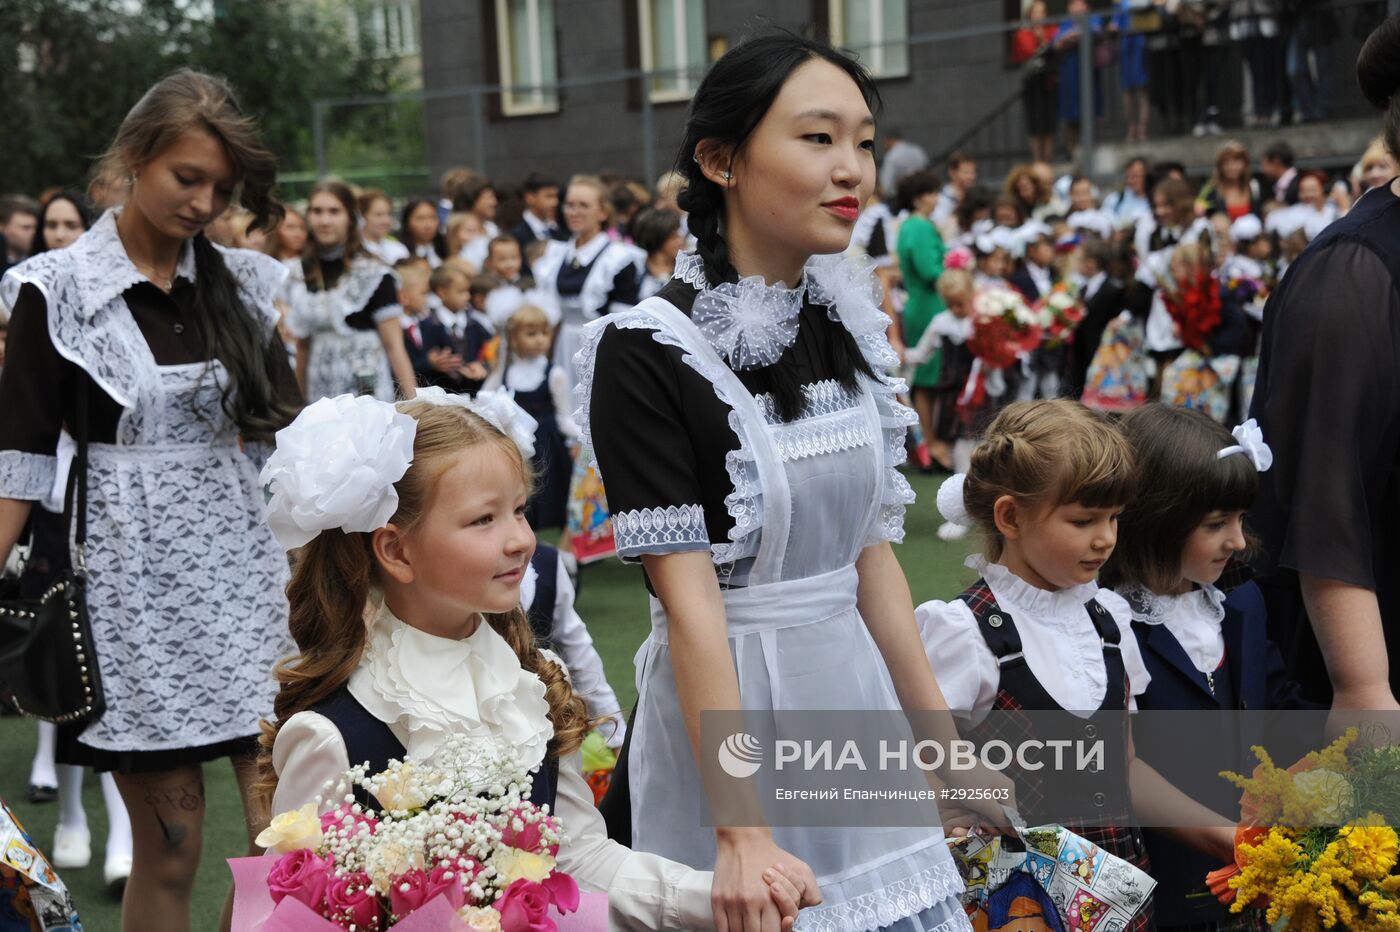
x: 888, y: 768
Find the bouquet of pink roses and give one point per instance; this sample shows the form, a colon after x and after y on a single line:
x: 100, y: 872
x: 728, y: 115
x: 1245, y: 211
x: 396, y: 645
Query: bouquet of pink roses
x: 458, y: 846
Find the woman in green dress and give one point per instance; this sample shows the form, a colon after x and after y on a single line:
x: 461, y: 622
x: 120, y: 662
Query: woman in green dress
x: 920, y: 249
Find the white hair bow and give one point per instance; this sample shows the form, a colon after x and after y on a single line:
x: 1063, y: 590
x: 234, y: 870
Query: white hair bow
x: 496, y: 406
x: 335, y: 467
x: 1251, y: 443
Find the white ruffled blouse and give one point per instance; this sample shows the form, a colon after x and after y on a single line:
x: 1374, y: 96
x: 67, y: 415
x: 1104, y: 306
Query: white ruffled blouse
x: 1061, y: 645
x: 425, y: 687
x: 1193, y: 618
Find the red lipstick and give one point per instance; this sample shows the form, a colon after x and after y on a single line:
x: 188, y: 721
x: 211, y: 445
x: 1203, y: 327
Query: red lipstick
x: 847, y: 208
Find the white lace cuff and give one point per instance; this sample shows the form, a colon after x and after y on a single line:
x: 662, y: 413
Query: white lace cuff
x: 27, y: 476
x: 660, y: 530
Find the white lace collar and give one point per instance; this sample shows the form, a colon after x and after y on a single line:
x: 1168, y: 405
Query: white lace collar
x: 1193, y: 618
x: 1061, y: 606
x: 1153, y: 609
x: 751, y: 323
x: 430, y: 687
x: 104, y: 271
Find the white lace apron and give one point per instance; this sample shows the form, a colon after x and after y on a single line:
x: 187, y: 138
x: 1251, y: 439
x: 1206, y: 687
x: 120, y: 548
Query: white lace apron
x: 186, y: 585
x: 798, y: 642
x: 343, y: 359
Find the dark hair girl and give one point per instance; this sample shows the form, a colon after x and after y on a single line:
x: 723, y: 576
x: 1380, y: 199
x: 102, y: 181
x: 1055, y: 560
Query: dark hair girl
x: 419, y: 231
x: 64, y: 217
x: 345, y: 310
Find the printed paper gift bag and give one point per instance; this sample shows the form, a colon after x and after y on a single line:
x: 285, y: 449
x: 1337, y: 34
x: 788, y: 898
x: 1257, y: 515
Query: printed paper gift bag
x: 32, y: 897
x: 1089, y: 889
x: 1195, y: 380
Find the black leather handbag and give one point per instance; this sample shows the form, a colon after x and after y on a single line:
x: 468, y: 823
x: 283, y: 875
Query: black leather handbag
x: 48, y: 668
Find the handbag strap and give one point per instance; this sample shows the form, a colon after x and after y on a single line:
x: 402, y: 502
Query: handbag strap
x: 78, y: 481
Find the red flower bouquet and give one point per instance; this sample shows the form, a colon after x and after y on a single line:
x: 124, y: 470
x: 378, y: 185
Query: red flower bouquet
x: 1195, y: 306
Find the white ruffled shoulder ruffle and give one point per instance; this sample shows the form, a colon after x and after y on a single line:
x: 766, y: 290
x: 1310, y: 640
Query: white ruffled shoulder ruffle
x: 847, y: 286
x: 88, y: 323
x: 430, y: 687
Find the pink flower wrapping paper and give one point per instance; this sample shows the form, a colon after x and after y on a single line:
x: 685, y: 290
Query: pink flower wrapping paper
x: 254, y: 911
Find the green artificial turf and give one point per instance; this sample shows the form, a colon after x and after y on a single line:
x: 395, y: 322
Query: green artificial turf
x: 613, y: 602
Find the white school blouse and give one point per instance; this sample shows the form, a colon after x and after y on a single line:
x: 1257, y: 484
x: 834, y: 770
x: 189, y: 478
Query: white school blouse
x: 424, y: 688
x: 1058, y: 638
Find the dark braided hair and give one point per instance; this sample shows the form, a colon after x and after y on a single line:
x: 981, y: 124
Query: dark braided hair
x: 731, y: 101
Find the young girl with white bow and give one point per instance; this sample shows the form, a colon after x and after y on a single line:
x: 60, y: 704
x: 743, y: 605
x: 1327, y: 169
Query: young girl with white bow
x: 413, y: 517
x: 1203, y: 649
x: 1036, y: 634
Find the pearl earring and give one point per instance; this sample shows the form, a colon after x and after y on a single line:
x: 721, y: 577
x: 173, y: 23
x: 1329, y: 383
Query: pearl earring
x: 726, y: 176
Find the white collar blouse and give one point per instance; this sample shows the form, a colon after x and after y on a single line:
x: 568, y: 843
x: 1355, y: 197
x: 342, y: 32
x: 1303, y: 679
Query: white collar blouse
x: 424, y: 687
x: 1059, y: 641
x: 1193, y: 618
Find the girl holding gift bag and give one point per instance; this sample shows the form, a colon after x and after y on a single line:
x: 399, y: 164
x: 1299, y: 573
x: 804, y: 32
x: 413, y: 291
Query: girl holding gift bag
x: 413, y: 516
x: 1035, y: 633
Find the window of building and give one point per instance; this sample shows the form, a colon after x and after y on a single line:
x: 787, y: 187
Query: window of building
x: 673, y: 44
x: 876, y: 30
x: 528, y: 63
x: 393, y: 28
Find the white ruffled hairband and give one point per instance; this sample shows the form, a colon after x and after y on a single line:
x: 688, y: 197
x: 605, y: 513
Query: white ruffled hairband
x: 336, y: 464
x: 1250, y: 441
x: 953, y: 506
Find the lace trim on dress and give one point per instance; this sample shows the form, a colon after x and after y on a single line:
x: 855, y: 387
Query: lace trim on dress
x: 26, y: 476
x: 690, y: 268
x: 814, y: 437
x: 745, y: 500
x: 849, y: 288
x: 645, y: 528
x: 825, y: 397
x: 898, y: 900
x: 1153, y: 609
x: 89, y: 324
x: 315, y: 312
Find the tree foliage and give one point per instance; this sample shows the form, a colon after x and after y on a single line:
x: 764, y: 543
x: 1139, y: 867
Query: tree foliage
x: 75, y: 67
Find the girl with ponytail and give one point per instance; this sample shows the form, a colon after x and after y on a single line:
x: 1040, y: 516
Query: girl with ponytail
x: 405, y: 606
x: 749, y: 440
x: 167, y: 341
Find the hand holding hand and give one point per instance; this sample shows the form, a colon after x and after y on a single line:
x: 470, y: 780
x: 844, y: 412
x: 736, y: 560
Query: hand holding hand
x: 444, y: 361
x: 743, y: 901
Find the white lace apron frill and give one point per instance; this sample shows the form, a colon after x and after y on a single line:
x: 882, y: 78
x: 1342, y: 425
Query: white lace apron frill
x: 848, y: 288
x: 186, y: 583
x: 343, y: 358
x: 427, y: 688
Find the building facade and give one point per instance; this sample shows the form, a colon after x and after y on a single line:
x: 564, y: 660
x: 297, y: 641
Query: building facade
x: 550, y: 122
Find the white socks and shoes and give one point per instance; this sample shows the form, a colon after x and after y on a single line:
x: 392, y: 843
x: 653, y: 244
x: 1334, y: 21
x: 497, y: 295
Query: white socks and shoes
x: 72, y: 847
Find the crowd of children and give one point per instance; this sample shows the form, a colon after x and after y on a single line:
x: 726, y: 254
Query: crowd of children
x: 1166, y: 284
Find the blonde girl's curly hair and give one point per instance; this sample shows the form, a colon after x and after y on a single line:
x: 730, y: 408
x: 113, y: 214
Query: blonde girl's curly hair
x: 336, y: 572
x: 1045, y: 454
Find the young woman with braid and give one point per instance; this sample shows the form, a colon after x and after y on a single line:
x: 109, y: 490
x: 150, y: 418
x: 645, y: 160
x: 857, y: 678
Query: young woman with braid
x: 748, y: 441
